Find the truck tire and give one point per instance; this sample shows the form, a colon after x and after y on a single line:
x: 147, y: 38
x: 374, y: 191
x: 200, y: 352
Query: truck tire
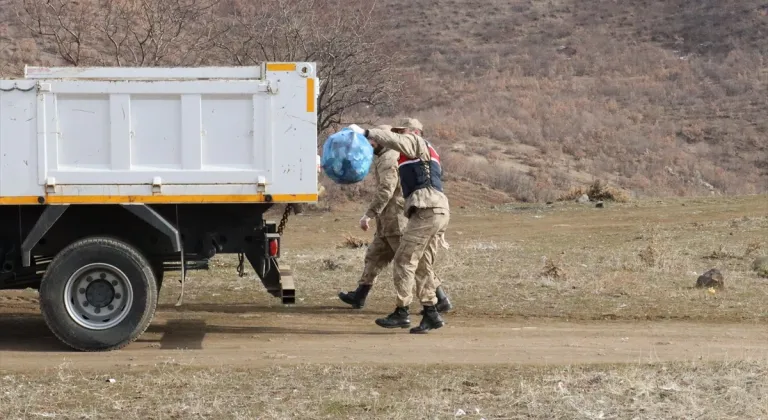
x: 98, y: 294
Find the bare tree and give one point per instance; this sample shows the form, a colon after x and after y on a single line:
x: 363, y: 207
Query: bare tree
x: 356, y: 74
x: 159, y: 32
x: 137, y: 33
x: 64, y: 22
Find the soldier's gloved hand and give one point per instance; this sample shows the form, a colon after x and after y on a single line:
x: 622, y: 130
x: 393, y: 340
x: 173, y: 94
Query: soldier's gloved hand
x: 357, y: 129
x: 364, y: 223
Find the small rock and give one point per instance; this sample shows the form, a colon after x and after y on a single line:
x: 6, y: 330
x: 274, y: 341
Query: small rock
x: 583, y: 199
x: 599, y: 204
x: 761, y: 267
x: 110, y: 380
x: 566, y: 50
x: 460, y: 413
x: 712, y: 278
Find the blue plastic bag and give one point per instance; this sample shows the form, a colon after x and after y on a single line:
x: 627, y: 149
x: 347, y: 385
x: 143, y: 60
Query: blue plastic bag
x: 347, y: 157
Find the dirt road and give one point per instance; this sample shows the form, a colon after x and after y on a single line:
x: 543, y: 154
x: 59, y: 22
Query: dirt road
x: 312, y: 336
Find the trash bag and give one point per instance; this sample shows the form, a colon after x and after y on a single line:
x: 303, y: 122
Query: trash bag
x: 347, y: 157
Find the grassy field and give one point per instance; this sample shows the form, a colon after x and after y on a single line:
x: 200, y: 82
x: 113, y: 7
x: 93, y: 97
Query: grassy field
x: 701, y: 390
x: 633, y: 261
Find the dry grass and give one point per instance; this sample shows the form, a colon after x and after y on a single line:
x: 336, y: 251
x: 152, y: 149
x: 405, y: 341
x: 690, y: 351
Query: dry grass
x: 649, y: 255
x: 752, y: 248
x: 598, y: 191
x: 552, y: 271
x: 330, y: 264
x: 697, y: 389
x: 720, y: 254
x: 353, y: 242
x: 760, y: 266
x: 632, y: 261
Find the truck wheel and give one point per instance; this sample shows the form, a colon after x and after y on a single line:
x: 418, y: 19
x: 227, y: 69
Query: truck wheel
x: 98, y: 294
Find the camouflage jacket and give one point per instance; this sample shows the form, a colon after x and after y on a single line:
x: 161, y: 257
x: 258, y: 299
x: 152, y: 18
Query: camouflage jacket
x: 387, y: 204
x: 413, y: 147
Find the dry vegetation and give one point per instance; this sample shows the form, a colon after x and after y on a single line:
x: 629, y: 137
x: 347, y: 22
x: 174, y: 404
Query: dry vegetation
x: 657, y: 97
x: 731, y: 390
x: 598, y: 191
x: 627, y: 261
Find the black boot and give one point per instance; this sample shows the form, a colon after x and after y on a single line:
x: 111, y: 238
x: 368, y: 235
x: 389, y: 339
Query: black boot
x: 431, y: 321
x: 443, y: 304
x: 398, y: 319
x: 356, y: 298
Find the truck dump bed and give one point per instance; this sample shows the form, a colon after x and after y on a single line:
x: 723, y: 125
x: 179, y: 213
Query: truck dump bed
x: 144, y: 135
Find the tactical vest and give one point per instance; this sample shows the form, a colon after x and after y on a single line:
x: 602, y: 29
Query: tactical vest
x: 416, y: 174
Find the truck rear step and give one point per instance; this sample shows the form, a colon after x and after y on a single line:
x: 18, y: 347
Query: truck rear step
x: 287, y: 288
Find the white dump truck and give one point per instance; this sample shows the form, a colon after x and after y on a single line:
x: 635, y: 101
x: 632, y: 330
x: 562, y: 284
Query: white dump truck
x: 110, y: 177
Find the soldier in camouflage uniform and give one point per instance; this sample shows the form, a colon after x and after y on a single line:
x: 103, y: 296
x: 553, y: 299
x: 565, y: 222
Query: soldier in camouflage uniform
x: 428, y: 213
x: 387, y: 208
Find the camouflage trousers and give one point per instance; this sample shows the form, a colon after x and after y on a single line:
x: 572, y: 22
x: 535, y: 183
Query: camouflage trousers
x: 416, y: 254
x: 379, y: 254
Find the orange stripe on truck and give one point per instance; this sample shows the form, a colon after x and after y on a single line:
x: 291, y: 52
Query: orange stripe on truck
x: 311, y: 95
x: 160, y: 199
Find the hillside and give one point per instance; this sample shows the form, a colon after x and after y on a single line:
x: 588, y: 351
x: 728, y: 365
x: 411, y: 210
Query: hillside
x: 533, y: 97
x: 530, y: 98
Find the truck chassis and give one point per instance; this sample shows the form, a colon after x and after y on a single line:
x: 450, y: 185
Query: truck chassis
x: 99, y: 268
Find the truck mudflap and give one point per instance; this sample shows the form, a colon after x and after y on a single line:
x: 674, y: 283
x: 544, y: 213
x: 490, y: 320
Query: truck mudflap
x: 263, y: 257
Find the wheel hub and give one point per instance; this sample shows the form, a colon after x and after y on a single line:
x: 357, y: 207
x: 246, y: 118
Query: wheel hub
x: 99, y: 293
x: 98, y: 296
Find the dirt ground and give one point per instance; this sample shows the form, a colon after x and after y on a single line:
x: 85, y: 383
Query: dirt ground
x: 618, y: 305
x: 213, y: 340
